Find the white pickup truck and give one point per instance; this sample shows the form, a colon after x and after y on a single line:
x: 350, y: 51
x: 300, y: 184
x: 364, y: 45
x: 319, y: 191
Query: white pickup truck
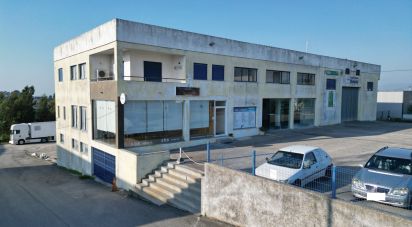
x: 33, y: 132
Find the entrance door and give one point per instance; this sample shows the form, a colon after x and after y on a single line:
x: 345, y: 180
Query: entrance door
x: 275, y: 114
x: 349, y: 110
x: 220, y: 116
x: 104, y: 165
x: 152, y: 71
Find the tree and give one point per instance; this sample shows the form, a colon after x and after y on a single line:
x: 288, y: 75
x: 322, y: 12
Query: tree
x: 45, y: 109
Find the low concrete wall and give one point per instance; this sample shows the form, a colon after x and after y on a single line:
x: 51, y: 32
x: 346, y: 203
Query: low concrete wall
x: 242, y: 199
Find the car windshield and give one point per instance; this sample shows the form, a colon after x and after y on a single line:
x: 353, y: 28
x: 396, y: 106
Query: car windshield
x: 390, y: 164
x: 286, y: 159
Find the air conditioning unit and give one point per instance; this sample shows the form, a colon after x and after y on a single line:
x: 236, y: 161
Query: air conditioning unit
x: 101, y: 73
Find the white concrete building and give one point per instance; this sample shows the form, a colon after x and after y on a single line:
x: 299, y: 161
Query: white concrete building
x: 394, y: 105
x: 128, y: 92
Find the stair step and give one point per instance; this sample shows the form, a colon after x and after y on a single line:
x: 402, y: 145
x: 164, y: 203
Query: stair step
x: 190, y: 195
x: 184, y: 176
x: 180, y: 183
x: 190, y: 171
x: 150, y: 195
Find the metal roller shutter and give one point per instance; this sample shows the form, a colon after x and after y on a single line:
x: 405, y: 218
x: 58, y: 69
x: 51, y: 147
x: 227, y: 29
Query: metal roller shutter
x: 350, y: 103
x: 104, y: 165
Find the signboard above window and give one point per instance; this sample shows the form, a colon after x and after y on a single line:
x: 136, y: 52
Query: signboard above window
x: 188, y: 91
x: 331, y: 73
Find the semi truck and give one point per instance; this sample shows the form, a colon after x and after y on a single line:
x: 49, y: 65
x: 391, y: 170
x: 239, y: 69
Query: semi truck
x: 33, y: 132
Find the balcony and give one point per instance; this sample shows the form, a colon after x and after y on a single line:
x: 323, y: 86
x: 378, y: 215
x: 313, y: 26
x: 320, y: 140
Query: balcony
x: 102, y: 67
x: 139, y: 65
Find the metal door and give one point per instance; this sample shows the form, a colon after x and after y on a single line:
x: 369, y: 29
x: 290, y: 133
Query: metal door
x: 104, y: 165
x: 349, y: 110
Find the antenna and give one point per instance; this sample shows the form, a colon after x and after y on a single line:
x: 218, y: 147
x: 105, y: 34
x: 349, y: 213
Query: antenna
x: 307, y: 45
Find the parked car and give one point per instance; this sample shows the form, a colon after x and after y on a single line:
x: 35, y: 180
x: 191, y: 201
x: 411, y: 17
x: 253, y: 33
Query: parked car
x: 388, y: 171
x: 298, y: 165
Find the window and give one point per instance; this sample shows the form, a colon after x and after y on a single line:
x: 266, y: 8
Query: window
x: 74, y: 116
x: 61, y: 138
x: 330, y: 84
x: 37, y: 128
x: 304, y: 114
x: 75, y: 144
x: 306, y: 79
x: 370, y: 86
x: 58, y: 111
x: 104, y: 121
x: 309, y: 159
x: 199, y: 71
x: 245, y: 74
x: 277, y: 77
x: 83, y: 118
x: 73, y: 72
x: 218, y: 72
x: 17, y: 132
x: 83, y: 147
x: 64, y: 112
x: 60, y: 72
x: 82, y: 71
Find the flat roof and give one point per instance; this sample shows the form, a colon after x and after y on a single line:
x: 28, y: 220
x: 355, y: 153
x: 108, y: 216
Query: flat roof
x: 139, y: 33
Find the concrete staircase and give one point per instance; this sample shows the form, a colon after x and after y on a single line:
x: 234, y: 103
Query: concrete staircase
x: 174, y: 184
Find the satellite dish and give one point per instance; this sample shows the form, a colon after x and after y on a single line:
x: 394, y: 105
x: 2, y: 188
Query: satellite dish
x: 123, y: 98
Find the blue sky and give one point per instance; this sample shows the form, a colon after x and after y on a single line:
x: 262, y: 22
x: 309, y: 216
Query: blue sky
x: 378, y: 32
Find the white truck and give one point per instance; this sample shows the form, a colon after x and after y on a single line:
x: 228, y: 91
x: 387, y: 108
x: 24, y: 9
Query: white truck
x: 33, y: 132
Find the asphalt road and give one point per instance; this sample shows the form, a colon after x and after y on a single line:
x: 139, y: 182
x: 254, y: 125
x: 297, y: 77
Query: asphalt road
x: 348, y: 144
x: 35, y: 192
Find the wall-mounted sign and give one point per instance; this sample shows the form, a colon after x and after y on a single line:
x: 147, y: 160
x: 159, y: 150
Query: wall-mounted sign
x: 331, y: 73
x: 190, y: 91
x: 350, y: 81
x: 244, y: 117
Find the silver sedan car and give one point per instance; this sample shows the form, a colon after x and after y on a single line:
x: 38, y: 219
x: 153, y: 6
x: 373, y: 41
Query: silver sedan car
x: 388, y: 171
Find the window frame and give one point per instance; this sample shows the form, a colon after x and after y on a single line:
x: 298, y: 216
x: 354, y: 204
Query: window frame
x: 83, y: 116
x: 82, y: 73
x: 202, y: 66
x: 61, y: 139
x: 73, y: 72
x: 218, y: 68
x: 242, y: 75
x: 74, y: 116
x: 368, y: 88
x: 305, y: 77
x: 60, y: 74
x: 282, y: 75
x: 327, y: 84
x: 75, y: 144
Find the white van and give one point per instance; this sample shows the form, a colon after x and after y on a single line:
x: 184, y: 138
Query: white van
x: 33, y: 132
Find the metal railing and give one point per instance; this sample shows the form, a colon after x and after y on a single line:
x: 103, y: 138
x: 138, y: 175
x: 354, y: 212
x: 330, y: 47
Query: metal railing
x: 155, y: 79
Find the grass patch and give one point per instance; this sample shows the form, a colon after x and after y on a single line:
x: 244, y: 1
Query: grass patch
x: 86, y: 177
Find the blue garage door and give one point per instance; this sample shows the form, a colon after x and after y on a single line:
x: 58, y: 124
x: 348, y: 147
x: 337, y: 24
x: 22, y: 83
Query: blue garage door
x: 104, y: 165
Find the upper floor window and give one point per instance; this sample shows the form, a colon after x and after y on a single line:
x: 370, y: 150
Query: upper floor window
x: 75, y: 144
x: 61, y: 138
x: 73, y: 72
x: 245, y: 74
x: 74, y: 116
x: 277, y: 77
x: 330, y: 84
x: 58, y: 111
x: 306, y: 79
x: 370, y: 86
x: 83, y: 118
x: 82, y: 71
x: 199, y: 71
x: 60, y: 72
x: 64, y: 113
x: 218, y: 72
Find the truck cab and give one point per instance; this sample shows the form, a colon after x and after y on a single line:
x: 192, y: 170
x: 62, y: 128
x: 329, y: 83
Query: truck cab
x: 19, y: 133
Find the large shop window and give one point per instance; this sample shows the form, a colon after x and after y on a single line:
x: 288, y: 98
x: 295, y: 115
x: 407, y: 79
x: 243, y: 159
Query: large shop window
x: 201, y: 118
x: 152, y: 122
x: 304, y: 112
x: 104, y: 121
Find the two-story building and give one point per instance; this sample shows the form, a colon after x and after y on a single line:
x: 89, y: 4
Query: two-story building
x: 128, y: 92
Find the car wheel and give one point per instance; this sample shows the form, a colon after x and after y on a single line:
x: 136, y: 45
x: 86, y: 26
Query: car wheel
x: 298, y: 183
x: 20, y: 142
x: 328, y: 171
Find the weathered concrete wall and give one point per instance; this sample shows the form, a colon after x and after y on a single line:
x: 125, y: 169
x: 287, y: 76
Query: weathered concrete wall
x: 245, y: 200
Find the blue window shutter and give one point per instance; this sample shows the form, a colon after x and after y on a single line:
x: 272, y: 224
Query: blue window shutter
x: 199, y: 71
x: 218, y: 72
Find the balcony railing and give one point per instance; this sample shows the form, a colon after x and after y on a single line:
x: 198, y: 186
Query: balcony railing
x: 155, y: 79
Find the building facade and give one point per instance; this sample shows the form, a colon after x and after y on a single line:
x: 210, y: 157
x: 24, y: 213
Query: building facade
x: 394, y: 105
x: 127, y: 92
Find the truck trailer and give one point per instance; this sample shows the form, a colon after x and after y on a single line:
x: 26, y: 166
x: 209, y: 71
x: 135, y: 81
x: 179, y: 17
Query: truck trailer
x: 33, y: 132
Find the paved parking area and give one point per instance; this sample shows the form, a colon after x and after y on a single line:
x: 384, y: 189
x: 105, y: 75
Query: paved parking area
x: 349, y: 145
x: 35, y: 192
